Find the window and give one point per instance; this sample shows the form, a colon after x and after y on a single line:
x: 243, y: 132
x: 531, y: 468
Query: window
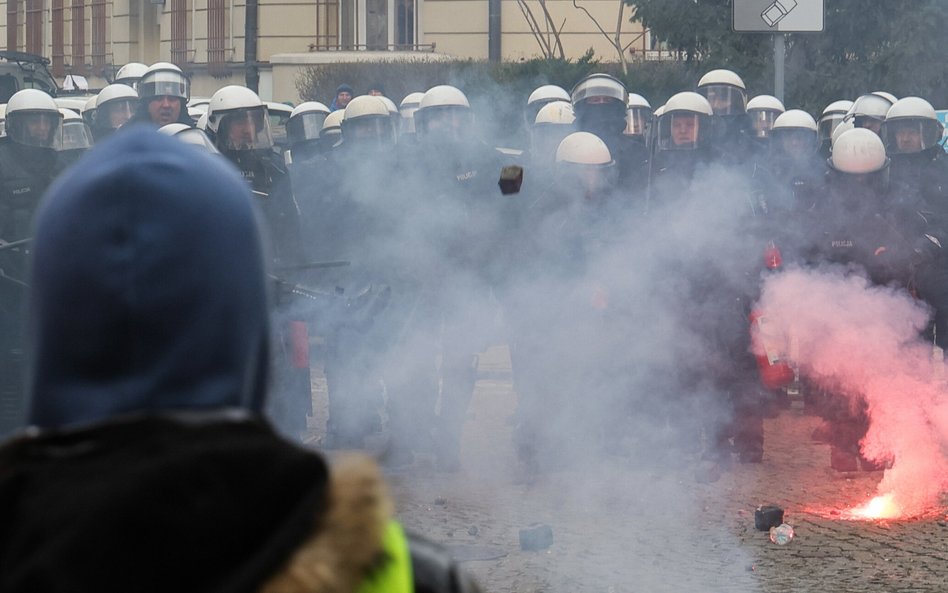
x: 327, y: 24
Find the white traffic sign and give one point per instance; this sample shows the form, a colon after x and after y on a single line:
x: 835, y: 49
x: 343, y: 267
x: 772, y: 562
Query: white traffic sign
x: 777, y: 16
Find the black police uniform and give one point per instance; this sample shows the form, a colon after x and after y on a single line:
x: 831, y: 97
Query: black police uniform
x: 25, y: 173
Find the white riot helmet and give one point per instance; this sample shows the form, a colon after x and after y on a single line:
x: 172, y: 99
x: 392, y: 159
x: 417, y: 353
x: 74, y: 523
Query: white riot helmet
x: 540, y: 96
x: 115, y: 105
x: 763, y: 110
x: 88, y: 111
x: 868, y: 111
x: 189, y: 135
x: 332, y: 126
x: 164, y: 80
x: 725, y: 92
x: 367, y: 122
x: 600, y: 102
x: 553, y: 123
x: 238, y: 119
x: 886, y: 95
x: 685, y: 123
x: 130, y: 74
x: 911, y: 125
x: 583, y: 162
x: 858, y: 152
x: 638, y: 115
x: 76, y: 134
x: 33, y: 119
x: 407, y: 109
x: 306, y: 122
x: 833, y: 115
x: 841, y: 129
x: 444, y: 114
x: 794, y: 133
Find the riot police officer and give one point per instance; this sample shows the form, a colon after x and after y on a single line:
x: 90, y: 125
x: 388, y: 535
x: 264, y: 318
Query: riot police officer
x: 163, y: 92
x: 682, y: 144
x: 77, y: 138
x: 762, y: 111
x: 554, y: 122
x: 241, y: 130
x: 862, y: 223
x: 833, y: 115
x: 600, y: 102
x: 912, y: 136
x: 868, y: 111
x: 727, y: 95
x: 28, y: 163
x: 114, y: 105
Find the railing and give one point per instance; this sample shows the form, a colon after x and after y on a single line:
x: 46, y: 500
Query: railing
x: 420, y: 47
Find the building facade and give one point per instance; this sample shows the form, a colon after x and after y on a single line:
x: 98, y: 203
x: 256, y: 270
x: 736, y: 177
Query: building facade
x: 207, y: 38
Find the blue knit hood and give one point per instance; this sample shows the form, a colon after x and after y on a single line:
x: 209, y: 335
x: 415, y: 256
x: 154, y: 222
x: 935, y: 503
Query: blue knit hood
x: 148, y: 292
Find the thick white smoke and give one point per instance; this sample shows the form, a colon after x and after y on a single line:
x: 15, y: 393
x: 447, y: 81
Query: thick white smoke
x: 863, y: 341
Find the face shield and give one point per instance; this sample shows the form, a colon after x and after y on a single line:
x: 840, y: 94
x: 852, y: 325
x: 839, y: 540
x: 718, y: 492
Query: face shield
x: 115, y: 113
x: 762, y: 121
x: 827, y: 124
x: 157, y: 84
x: 76, y: 135
x: 36, y: 128
x: 911, y: 135
x: 636, y: 121
x: 197, y: 138
x: 370, y: 131
x: 305, y: 126
x: 725, y: 99
x: 682, y: 130
x: 245, y: 129
x: 868, y: 122
x: 446, y: 123
x: 794, y: 143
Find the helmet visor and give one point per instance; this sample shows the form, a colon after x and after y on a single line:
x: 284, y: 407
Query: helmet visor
x: 305, y: 126
x: 681, y: 130
x: 762, y: 121
x: 793, y: 142
x: 36, y: 128
x: 600, y: 87
x: 76, y: 135
x: 911, y: 135
x: 827, y: 124
x: 592, y: 182
x: 115, y: 113
x: 725, y: 99
x: 370, y: 130
x: 449, y: 122
x: 245, y: 129
x: 636, y: 121
x: 197, y: 138
x: 157, y: 84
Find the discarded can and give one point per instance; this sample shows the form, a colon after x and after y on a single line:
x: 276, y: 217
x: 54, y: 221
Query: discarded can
x: 782, y: 534
x: 767, y: 516
x: 536, y: 537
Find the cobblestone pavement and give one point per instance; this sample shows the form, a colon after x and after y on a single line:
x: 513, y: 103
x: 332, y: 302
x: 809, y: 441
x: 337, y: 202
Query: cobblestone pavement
x: 624, y: 525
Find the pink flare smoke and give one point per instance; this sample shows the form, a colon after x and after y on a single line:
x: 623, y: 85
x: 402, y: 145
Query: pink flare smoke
x: 864, y: 340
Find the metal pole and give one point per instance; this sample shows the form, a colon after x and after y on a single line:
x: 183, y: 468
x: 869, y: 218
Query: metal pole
x: 493, y: 30
x: 779, y: 50
x: 250, y: 46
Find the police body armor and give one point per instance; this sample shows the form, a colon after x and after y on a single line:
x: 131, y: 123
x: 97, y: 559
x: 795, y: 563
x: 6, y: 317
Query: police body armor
x: 25, y: 173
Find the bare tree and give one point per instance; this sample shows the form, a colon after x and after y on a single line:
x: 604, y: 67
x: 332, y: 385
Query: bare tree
x: 547, y: 34
x: 615, y: 40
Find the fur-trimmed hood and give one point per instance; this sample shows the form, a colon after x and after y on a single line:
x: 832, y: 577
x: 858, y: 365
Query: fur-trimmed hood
x: 185, y: 504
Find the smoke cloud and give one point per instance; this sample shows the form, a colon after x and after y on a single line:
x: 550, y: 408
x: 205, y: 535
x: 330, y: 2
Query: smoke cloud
x: 862, y: 341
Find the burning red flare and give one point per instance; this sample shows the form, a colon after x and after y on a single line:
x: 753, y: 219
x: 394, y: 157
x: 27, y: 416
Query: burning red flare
x: 880, y: 507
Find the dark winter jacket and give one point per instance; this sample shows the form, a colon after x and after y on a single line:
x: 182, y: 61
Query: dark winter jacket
x: 152, y: 469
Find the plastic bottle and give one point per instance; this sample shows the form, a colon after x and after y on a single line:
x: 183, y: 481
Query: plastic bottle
x: 782, y: 534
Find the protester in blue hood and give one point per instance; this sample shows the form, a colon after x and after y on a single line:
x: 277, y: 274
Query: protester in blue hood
x: 156, y: 300
x: 150, y: 467
x: 342, y: 97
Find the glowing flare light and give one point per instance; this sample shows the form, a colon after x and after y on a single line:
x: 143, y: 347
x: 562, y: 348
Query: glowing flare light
x: 880, y: 507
